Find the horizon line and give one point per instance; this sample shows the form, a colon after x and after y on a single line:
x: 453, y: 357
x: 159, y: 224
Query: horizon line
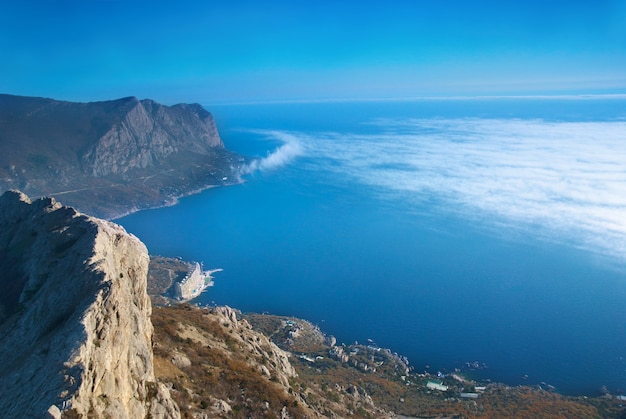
x: 583, y: 96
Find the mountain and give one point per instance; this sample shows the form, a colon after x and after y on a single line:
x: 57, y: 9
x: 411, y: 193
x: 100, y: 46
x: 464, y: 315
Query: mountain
x: 113, y: 157
x: 75, y: 328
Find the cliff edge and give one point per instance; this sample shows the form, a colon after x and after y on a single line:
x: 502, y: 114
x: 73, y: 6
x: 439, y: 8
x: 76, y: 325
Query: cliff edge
x: 75, y: 329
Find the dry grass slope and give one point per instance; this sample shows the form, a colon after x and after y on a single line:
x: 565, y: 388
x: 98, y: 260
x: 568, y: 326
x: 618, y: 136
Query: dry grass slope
x: 221, y: 366
x: 205, y: 361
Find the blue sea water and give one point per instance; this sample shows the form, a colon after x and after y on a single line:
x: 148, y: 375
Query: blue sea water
x: 450, y: 231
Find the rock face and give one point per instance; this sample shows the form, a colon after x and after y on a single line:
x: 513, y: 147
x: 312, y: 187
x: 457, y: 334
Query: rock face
x: 149, y: 132
x: 110, y: 158
x: 75, y: 329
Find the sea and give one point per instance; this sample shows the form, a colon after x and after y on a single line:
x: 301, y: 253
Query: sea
x: 486, y: 235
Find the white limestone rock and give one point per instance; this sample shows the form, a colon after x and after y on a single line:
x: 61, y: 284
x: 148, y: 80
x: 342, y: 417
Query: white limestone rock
x: 75, y: 329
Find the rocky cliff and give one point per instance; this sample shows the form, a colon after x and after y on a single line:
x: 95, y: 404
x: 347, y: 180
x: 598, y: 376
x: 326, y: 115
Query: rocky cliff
x: 110, y: 158
x: 75, y: 329
x: 149, y: 132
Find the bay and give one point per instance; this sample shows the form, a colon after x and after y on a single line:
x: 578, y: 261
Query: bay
x: 450, y: 231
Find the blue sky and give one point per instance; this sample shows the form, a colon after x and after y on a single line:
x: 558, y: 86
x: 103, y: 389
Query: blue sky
x: 245, y: 51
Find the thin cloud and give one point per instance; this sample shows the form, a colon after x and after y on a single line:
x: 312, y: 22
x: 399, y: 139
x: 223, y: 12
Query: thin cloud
x: 564, y: 180
x: 288, y: 151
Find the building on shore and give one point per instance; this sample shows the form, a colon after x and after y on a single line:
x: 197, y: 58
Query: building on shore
x: 436, y: 385
x: 191, y: 285
x: 194, y: 283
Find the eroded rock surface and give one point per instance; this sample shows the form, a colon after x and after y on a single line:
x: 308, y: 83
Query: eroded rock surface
x: 75, y: 329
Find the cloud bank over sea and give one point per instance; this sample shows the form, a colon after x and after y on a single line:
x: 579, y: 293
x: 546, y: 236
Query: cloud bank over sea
x: 564, y: 181
x: 282, y: 155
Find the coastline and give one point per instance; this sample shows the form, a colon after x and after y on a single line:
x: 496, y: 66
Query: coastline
x: 174, y: 200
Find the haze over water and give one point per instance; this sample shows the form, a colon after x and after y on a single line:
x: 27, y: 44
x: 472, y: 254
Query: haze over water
x: 450, y: 231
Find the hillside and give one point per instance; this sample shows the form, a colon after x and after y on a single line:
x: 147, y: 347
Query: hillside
x: 217, y: 365
x: 221, y: 363
x: 110, y: 158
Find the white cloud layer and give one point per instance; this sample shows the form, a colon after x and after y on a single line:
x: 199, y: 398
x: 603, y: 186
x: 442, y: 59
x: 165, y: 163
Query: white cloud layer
x: 565, y: 180
x: 289, y: 150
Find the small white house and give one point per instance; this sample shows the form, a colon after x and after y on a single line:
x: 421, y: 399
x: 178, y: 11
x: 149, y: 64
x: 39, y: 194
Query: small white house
x: 436, y: 385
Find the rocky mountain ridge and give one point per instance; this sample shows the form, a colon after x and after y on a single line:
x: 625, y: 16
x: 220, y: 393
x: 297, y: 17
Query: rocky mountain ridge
x: 75, y: 327
x: 113, y: 157
x: 149, y: 132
